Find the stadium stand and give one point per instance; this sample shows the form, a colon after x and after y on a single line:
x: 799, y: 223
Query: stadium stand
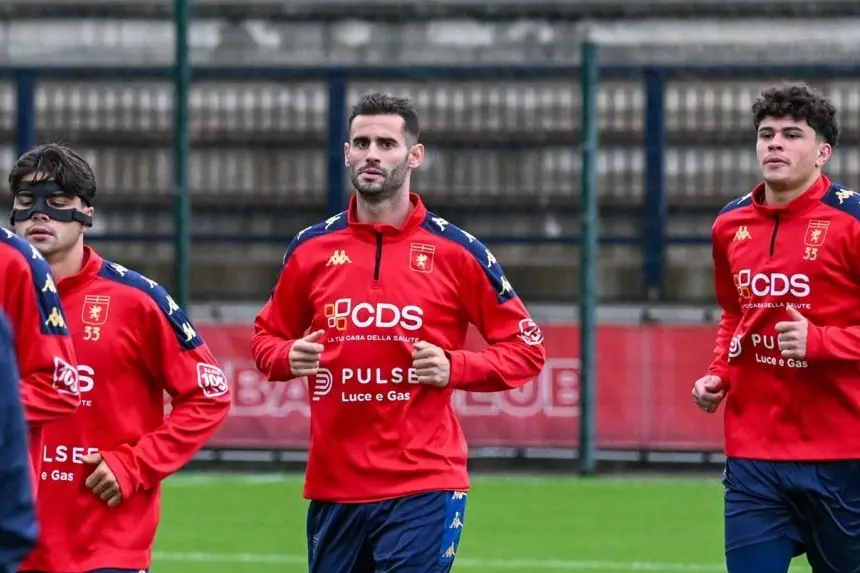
x: 502, y: 159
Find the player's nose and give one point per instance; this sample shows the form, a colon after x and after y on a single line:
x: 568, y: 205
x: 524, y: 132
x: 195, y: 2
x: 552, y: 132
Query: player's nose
x: 774, y: 145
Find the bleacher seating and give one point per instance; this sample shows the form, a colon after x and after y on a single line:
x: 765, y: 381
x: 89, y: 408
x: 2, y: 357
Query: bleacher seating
x: 502, y: 160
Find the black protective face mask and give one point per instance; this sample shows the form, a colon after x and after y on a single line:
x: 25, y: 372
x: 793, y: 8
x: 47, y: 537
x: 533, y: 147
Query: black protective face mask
x: 41, y: 192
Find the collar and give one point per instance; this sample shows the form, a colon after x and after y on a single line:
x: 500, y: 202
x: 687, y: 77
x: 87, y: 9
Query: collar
x: 800, y: 204
x: 371, y: 231
x: 90, y: 268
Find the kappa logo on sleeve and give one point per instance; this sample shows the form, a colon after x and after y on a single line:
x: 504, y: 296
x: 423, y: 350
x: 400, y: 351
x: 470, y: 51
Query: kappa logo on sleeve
x: 211, y: 380
x: 65, y: 377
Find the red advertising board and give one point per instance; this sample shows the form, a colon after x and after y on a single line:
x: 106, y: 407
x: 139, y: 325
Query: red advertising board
x: 644, y: 378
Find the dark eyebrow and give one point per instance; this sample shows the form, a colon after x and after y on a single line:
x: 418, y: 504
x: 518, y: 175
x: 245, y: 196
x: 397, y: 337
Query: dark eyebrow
x: 379, y: 139
x: 788, y: 128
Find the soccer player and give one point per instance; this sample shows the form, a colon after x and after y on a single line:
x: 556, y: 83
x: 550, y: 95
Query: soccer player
x: 98, y: 503
x: 787, y: 361
x: 373, y: 306
x: 46, y: 359
x: 18, y: 528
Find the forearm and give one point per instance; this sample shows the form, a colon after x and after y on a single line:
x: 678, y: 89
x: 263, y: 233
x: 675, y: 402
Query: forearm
x: 833, y: 343
x: 499, y: 367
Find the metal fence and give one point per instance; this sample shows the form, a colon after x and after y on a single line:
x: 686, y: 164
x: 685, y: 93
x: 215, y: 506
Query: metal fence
x: 503, y: 148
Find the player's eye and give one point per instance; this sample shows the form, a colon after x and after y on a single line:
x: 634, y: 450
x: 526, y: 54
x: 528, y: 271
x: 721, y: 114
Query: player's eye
x: 59, y: 201
x: 23, y: 201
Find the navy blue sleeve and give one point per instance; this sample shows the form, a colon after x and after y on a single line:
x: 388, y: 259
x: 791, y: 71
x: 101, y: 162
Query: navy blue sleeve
x: 18, y: 525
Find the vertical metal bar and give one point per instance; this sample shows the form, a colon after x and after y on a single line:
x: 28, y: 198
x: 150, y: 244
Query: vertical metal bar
x: 336, y: 194
x: 588, y: 262
x: 654, y: 225
x: 25, y: 123
x: 181, y: 152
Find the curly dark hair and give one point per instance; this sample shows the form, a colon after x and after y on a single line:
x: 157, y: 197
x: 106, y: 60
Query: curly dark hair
x: 59, y: 163
x: 802, y: 103
x: 384, y: 104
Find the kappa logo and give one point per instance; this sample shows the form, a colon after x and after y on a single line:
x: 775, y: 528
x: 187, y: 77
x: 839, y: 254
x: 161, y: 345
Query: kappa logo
x: 50, y: 285
x: 845, y: 194
x: 338, y: 258
x: 742, y: 234
x: 55, y: 319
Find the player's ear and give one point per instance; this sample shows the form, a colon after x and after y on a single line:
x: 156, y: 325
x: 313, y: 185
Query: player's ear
x: 824, y: 152
x: 88, y: 211
x: 416, y: 156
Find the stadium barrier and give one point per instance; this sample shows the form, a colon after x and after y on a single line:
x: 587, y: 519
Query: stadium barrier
x: 643, y: 395
x: 673, y: 140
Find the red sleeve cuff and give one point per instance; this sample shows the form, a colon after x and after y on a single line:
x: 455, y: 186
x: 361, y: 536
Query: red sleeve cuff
x: 719, y: 370
x: 814, y: 342
x: 279, y: 370
x: 457, y: 376
x: 123, y: 476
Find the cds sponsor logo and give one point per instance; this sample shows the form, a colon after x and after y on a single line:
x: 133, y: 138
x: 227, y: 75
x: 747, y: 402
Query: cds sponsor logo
x: 751, y: 284
x: 343, y: 312
x: 86, y: 382
x: 86, y: 378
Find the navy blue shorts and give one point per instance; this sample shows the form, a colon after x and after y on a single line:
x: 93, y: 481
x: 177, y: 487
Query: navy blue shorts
x: 413, y: 534
x: 814, y: 504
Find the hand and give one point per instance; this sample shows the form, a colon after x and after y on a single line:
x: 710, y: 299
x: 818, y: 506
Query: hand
x: 102, y: 481
x: 431, y: 364
x: 305, y: 355
x: 793, y: 334
x: 708, y: 393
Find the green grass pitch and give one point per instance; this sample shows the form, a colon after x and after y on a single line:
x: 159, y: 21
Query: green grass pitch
x: 239, y: 523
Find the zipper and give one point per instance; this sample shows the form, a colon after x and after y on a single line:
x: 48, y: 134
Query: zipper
x: 378, y: 261
x: 772, y: 236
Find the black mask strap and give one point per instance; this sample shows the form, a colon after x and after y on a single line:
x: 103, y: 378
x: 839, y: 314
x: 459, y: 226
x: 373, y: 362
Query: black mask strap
x: 41, y: 193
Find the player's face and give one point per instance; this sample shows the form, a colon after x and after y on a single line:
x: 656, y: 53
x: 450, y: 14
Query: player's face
x: 378, y: 156
x: 49, y: 236
x: 789, y: 152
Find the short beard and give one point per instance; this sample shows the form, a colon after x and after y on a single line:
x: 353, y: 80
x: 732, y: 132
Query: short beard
x: 392, y: 181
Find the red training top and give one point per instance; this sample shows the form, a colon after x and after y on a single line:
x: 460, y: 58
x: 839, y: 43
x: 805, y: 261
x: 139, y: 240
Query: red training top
x: 376, y: 290
x: 807, y: 255
x: 133, y: 343
x: 46, y: 359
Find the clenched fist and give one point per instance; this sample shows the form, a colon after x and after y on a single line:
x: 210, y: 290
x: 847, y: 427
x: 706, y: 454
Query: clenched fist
x: 305, y: 355
x: 102, y: 481
x: 431, y: 364
x: 708, y: 393
x: 793, y: 334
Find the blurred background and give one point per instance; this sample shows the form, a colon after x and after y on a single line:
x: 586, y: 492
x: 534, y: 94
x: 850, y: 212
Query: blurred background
x: 202, y: 184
